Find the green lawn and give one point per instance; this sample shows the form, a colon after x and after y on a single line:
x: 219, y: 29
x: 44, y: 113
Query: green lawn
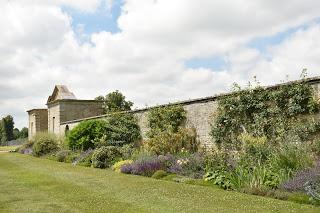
x: 30, y: 184
x: 7, y: 148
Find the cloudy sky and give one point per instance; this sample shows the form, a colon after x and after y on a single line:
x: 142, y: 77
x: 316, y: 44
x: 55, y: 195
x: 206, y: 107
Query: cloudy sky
x: 154, y: 51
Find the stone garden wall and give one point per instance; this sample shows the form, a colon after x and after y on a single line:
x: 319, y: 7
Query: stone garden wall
x: 200, y: 114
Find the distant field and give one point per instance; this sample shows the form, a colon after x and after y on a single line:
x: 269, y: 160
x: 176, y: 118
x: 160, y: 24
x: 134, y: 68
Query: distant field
x: 7, y: 148
x: 30, y: 184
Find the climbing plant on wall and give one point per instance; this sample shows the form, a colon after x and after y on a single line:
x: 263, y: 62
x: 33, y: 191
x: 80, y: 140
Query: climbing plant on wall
x: 274, y: 113
x: 167, y: 132
x: 162, y: 119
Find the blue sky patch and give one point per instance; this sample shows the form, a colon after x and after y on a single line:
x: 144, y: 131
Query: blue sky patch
x: 214, y: 63
x: 262, y: 43
x: 100, y: 20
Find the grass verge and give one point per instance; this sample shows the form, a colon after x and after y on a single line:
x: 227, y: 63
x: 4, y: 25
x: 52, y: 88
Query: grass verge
x: 30, y: 184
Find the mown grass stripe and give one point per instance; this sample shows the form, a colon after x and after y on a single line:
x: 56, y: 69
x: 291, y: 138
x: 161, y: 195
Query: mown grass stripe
x: 38, y: 185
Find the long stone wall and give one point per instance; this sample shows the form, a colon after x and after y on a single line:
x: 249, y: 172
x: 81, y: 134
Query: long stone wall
x: 200, y: 114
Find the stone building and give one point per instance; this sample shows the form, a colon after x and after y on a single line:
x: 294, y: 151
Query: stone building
x: 65, y: 112
x: 62, y: 106
x: 38, y: 121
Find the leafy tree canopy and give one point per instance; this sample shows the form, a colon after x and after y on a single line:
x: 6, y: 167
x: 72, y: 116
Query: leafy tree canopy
x: 23, y: 132
x: 6, y: 129
x: 16, y: 133
x: 115, y: 102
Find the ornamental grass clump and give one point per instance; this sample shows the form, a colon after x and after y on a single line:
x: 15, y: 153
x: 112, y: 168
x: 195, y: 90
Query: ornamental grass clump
x: 44, y: 143
x: 291, y: 157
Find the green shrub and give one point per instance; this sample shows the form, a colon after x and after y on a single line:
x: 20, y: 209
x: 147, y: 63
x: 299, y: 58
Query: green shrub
x: 118, y: 129
x: 219, y: 160
x: 105, y: 156
x: 44, y: 143
x: 316, y: 147
x: 117, y: 166
x: 219, y: 178
x: 255, y: 148
x: 83, y: 134
x: 173, y: 142
x: 159, y: 174
x: 85, y: 160
x: 141, y: 154
x: 51, y: 157
x: 66, y: 156
x: 123, y: 129
x: 26, y: 148
x: 255, y: 177
x: 99, y: 142
x: 127, y: 151
x: 62, y: 155
x: 72, y: 156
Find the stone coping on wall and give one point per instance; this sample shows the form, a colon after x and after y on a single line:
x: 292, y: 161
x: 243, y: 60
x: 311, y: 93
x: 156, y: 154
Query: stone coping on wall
x: 31, y: 110
x: 74, y: 100
x: 313, y: 80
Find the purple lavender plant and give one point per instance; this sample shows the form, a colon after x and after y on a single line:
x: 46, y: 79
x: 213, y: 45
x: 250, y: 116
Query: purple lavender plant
x: 167, y: 160
x: 299, y: 181
x: 82, y: 156
x: 191, y: 166
x: 146, y: 167
x: 126, y: 168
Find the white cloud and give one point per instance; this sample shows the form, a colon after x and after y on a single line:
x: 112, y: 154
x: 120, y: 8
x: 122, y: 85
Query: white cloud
x: 301, y: 50
x: 38, y: 48
x: 83, y: 5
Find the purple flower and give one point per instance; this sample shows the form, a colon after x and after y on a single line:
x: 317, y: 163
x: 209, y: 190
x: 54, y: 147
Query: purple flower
x: 297, y: 183
x: 126, y: 168
x: 146, y: 167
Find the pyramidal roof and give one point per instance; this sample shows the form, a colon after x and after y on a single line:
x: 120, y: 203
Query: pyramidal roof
x: 61, y: 92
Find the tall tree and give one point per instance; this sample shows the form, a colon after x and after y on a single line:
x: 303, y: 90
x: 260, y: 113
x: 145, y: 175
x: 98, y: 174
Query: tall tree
x: 23, y: 132
x: 16, y: 133
x: 7, y: 128
x: 3, y: 137
x: 115, y: 102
